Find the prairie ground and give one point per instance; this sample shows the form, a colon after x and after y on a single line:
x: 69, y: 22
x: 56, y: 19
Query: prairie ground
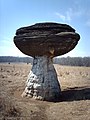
x: 74, y: 103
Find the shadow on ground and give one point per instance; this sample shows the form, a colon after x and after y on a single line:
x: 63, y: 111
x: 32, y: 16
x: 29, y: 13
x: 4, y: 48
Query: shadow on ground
x: 75, y: 94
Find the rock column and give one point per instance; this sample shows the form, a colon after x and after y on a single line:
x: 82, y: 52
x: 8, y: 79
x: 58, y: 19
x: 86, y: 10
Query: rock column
x: 42, y: 82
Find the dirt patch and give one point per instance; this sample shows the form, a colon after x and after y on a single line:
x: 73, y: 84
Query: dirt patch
x: 9, y: 108
x: 73, y: 104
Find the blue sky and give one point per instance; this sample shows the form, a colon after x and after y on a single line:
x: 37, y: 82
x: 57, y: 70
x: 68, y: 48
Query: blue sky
x: 19, y: 13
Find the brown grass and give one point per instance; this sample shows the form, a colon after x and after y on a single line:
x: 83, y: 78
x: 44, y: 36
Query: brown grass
x: 74, y: 103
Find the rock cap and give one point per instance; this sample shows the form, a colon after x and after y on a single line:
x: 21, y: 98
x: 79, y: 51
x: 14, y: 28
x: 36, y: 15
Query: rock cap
x: 51, y: 39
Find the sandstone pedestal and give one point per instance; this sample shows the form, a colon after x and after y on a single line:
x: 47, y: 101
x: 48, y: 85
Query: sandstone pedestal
x: 43, y: 41
x: 42, y: 82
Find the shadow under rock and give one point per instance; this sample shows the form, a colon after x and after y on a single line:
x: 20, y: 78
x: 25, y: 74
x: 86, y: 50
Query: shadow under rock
x: 75, y: 94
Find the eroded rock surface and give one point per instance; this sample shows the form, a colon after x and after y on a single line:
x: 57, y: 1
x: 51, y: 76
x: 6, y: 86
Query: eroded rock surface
x: 41, y: 38
x: 42, y: 80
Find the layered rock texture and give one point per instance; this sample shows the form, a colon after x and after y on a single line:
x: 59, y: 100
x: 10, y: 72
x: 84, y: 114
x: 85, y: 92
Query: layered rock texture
x: 43, y: 41
x: 42, y: 38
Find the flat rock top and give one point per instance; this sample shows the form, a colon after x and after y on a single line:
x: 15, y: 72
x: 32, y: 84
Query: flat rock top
x: 50, y: 27
x: 52, y: 39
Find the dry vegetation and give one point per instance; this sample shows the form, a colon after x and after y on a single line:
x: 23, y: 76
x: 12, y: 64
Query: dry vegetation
x: 74, y: 103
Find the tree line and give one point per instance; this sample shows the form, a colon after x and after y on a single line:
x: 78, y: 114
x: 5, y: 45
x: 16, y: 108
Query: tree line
x: 71, y: 61
x: 10, y: 59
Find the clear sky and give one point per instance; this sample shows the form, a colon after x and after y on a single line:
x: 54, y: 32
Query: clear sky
x: 19, y: 13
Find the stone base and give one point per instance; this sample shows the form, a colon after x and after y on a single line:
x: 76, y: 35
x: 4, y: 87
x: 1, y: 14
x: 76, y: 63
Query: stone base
x: 42, y: 83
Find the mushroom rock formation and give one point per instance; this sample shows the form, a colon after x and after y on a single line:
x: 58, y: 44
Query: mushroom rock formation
x: 43, y: 41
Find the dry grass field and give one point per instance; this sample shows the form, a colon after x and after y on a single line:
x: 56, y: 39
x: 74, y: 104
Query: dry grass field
x: 74, y: 103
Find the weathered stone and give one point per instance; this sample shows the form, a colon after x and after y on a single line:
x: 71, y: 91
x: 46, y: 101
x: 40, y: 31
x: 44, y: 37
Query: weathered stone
x: 40, y: 39
x: 44, y: 29
x: 42, y: 80
x: 43, y: 41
